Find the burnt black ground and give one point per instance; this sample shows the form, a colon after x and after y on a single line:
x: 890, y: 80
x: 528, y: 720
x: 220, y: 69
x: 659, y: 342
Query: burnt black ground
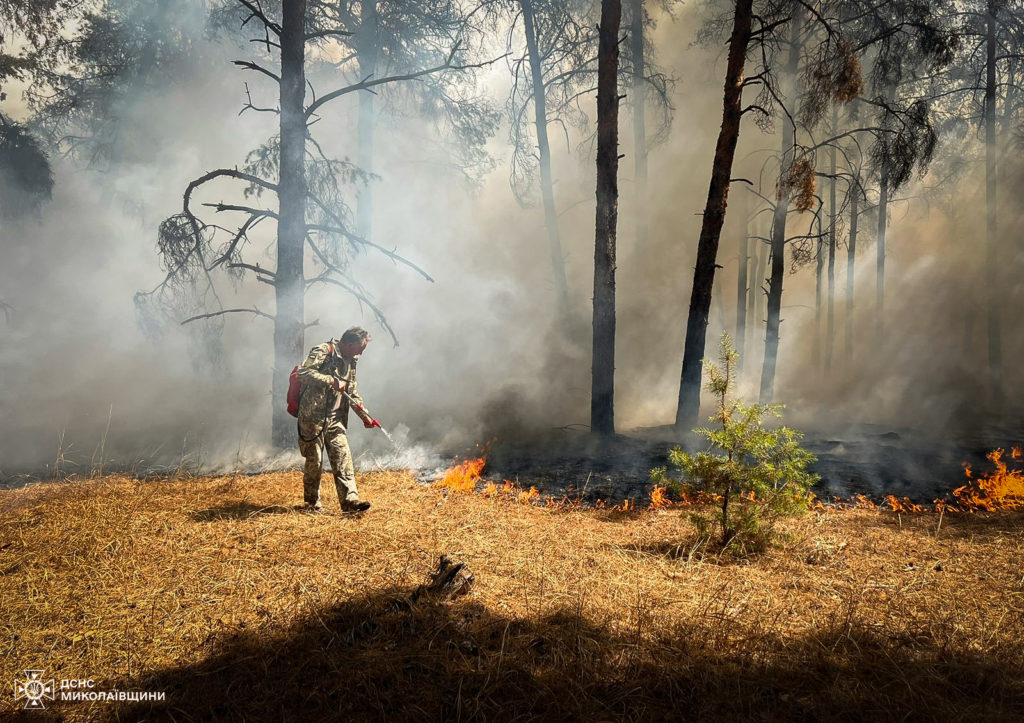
x: 858, y: 459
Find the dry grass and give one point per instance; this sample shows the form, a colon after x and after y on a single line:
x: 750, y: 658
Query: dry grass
x: 217, y: 592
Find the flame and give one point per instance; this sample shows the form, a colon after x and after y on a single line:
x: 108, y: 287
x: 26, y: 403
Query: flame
x: 658, y: 499
x: 493, y: 490
x: 902, y: 505
x: 511, y: 492
x: 690, y: 497
x: 463, y: 477
x: 1002, y: 489
x: 525, y: 498
x: 863, y: 503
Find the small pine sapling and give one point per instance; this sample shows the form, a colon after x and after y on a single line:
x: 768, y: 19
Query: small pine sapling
x: 752, y: 475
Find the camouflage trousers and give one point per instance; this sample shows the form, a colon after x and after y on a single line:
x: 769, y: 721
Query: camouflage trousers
x: 311, y: 445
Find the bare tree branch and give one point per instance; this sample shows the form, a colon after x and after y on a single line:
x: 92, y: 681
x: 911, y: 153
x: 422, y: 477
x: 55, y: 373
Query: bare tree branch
x: 359, y: 240
x: 258, y: 212
x: 328, y: 34
x: 222, y: 312
x: 239, y: 235
x: 366, y: 84
x: 355, y: 240
x: 257, y: 12
x: 257, y: 268
x: 249, y: 65
x: 249, y: 105
x: 354, y: 288
x: 361, y: 298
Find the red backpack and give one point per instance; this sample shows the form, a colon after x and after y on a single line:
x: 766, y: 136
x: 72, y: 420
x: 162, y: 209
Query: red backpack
x: 295, y: 387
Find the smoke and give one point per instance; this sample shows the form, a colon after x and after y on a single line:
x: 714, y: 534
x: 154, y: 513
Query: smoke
x: 481, y: 353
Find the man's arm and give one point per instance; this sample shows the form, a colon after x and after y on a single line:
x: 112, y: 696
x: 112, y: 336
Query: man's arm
x: 357, y: 401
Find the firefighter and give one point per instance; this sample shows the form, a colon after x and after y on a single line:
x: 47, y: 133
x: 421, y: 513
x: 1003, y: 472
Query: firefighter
x: 328, y: 390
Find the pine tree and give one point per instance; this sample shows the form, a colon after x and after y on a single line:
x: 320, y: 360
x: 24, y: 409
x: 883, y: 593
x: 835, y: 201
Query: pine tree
x: 755, y: 475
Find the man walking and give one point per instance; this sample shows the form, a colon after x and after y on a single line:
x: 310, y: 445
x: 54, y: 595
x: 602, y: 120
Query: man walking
x: 328, y: 379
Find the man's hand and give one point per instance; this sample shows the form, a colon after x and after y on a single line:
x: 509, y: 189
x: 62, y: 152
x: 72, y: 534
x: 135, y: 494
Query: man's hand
x: 338, y: 385
x: 371, y: 423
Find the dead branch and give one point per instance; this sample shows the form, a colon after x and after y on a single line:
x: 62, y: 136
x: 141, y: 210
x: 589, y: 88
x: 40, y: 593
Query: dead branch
x: 257, y: 12
x: 249, y: 65
x: 239, y: 235
x: 224, y: 172
x: 327, y: 34
x: 353, y: 287
x: 249, y: 104
x: 367, y: 83
x: 258, y: 212
x: 265, y: 41
x: 222, y: 312
x: 361, y: 298
x: 251, y: 267
x: 355, y: 239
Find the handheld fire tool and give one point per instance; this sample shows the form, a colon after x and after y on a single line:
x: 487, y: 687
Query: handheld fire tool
x: 365, y: 416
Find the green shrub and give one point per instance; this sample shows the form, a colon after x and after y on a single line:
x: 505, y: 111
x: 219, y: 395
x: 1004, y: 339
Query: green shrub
x: 752, y: 475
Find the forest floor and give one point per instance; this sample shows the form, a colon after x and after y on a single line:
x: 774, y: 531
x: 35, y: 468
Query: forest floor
x: 218, y: 593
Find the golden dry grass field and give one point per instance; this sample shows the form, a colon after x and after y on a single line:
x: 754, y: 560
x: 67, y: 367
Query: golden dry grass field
x: 218, y: 593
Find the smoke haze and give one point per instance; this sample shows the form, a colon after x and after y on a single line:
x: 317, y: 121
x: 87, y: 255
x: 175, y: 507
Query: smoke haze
x: 480, y: 353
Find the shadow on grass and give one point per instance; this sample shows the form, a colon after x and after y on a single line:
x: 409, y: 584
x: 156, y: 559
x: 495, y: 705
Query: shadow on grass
x: 382, y: 658
x: 240, y: 511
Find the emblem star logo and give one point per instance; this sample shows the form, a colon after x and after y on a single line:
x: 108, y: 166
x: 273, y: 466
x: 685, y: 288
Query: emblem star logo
x: 33, y: 689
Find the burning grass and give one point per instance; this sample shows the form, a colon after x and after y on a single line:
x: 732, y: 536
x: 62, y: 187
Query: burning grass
x: 1000, y: 489
x: 219, y: 593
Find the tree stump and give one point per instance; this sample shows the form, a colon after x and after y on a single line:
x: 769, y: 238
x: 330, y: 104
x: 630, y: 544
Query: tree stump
x: 451, y: 579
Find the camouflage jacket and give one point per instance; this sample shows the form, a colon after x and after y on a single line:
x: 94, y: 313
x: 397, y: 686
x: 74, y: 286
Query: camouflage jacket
x: 318, y: 400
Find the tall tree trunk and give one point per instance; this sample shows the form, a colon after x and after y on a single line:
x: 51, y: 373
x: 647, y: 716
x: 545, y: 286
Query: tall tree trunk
x: 771, y: 336
x: 993, y: 274
x: 742, y: 285
x: 756, y: 269
x: 547, y: 187
x: 602, y: 399
x: 883, y: 219
x: 367, y: 52
x: 830, y: 311
x: 688, y: 407
x: 754, y: 311
x: 819, y: 284
x: 851, y: 259
x: 774, y: 310
x: 291, y: 228
x: 636, y: 42
x: 762, y: 284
